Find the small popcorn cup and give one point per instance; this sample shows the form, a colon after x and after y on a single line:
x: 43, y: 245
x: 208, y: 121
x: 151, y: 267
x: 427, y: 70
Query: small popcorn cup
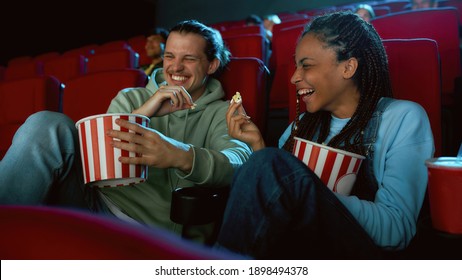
x: 445, y: 193
x: 101, y: 167
x: 336, y: 168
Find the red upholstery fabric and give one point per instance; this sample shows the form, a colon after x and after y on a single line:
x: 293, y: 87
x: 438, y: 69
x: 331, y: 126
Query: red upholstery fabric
x: 27, y: 69
x: 19, y: 60
x: 452, y: 3
x: 439, y: 24
x: 21, y: 98
x: 415, y: 75
x: 283, y: 59
x: 381, y: 10
x: 137, y: 43
x: 112, y: 46
x: 248, y: 45
x: 2, y: 72
x: 86, y: 50
x: 111, y: 60
x: 92, y: 93
x: 66, y: 67
x: 394, y: 5
x: 46, y: 56
x: 243, y: 30
x: 36, y: 233
x: 249, y: 76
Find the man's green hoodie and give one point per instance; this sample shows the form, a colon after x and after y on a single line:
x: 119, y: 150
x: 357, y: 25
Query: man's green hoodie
x: 204, y: 128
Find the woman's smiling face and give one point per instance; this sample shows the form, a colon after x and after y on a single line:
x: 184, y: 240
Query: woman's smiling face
x: 322, y: 82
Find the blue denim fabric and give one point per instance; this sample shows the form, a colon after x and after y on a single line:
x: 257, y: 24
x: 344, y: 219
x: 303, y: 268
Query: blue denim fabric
x: 278, y: 209
x: 43, y: 164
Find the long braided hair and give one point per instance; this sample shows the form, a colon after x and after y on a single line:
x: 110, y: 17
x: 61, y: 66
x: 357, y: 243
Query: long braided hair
x: 349, y: 36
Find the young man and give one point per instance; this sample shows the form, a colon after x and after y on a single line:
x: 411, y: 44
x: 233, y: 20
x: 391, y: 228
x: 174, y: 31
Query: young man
x: 155, y: 45
x: 187, y: 144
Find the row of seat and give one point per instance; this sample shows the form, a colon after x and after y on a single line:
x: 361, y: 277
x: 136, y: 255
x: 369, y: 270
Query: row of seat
x: 66, y: 66
x: 90, y: 94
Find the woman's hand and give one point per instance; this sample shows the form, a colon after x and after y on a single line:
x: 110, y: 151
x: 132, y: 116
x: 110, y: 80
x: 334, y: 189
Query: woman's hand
x: 166, y: 100
x: 155, y: 149
x: 242, y: 128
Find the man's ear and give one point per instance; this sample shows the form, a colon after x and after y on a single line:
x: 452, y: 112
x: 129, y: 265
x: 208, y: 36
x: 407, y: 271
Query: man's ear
x: 351, y: 65
x: 213, y: 66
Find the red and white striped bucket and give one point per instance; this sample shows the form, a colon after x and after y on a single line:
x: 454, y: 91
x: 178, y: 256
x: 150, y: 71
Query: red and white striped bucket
x: 337, y: 169
x: 101, y: 167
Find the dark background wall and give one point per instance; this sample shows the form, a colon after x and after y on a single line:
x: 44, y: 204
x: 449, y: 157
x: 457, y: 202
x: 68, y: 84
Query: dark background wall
x: 34, y: 27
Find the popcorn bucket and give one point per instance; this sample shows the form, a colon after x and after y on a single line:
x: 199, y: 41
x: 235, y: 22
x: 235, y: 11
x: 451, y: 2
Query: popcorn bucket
x: 101, y: 167
x: 337, y: 169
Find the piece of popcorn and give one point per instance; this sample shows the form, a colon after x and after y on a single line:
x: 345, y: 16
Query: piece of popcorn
x: 237, y: 97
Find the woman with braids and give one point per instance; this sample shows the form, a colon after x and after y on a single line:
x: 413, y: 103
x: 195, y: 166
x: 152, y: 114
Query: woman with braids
x: 278, y: 208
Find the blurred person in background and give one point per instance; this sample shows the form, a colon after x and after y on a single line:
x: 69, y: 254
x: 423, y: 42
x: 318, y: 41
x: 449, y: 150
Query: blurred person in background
x: 365, y: 11
x: 155, y: 46
x: 423, y: 4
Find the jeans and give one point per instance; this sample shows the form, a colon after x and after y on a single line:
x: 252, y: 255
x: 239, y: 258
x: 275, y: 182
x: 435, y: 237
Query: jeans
x: 279, y: 209
x: 43, y: 164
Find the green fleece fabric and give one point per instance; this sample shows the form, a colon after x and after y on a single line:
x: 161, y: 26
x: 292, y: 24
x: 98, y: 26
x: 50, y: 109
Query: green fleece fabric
x: 216, y: 155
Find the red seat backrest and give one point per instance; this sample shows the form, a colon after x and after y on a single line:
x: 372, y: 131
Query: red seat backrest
x: 137, y: 43
x: 441, y: 25
x: 86, y: 50
x: 52, y: 233
x: 27, y: 69
x: 249, y: 76
x: 66, y: 67
x: 248, y: 45
x: 19, y: 59
x: 22, y: 97
x: 46, y: 56
x: 282, y: 56
x: 111, y: 60
x: 415, y: 75
x: 112, y: 46
x: 243, y: 30
x: 92, y: 93
x: 394, y: 5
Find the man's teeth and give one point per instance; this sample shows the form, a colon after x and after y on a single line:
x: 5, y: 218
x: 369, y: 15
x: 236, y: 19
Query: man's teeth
x: 305, y: 92
x: 178, y: 78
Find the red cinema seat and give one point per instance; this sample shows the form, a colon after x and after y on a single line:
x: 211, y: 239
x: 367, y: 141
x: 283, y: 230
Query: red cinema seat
x: 112, y: 46
x: 441, y: 25
x: 22, y: 97
x: 452, y: 3
x: 86, y: 50
x: 249, y: 76
x: 27, y: 69
x: 2, y: 72
x: 381, y: 10
x: 19, y: 59
x: 394, y: 5
x: 66, y: 67
x: 415, y: 75
x: 248, y: 45
x: 92, y: 93
x: 283, y: 59
x: 111, y: 60
x: 138, y: 43
x: 51, y: 233
x: 244, y: 30
x: 46, y: 56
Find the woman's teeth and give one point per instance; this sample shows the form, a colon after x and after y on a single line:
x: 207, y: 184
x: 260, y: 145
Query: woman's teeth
x: 305, y: 92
